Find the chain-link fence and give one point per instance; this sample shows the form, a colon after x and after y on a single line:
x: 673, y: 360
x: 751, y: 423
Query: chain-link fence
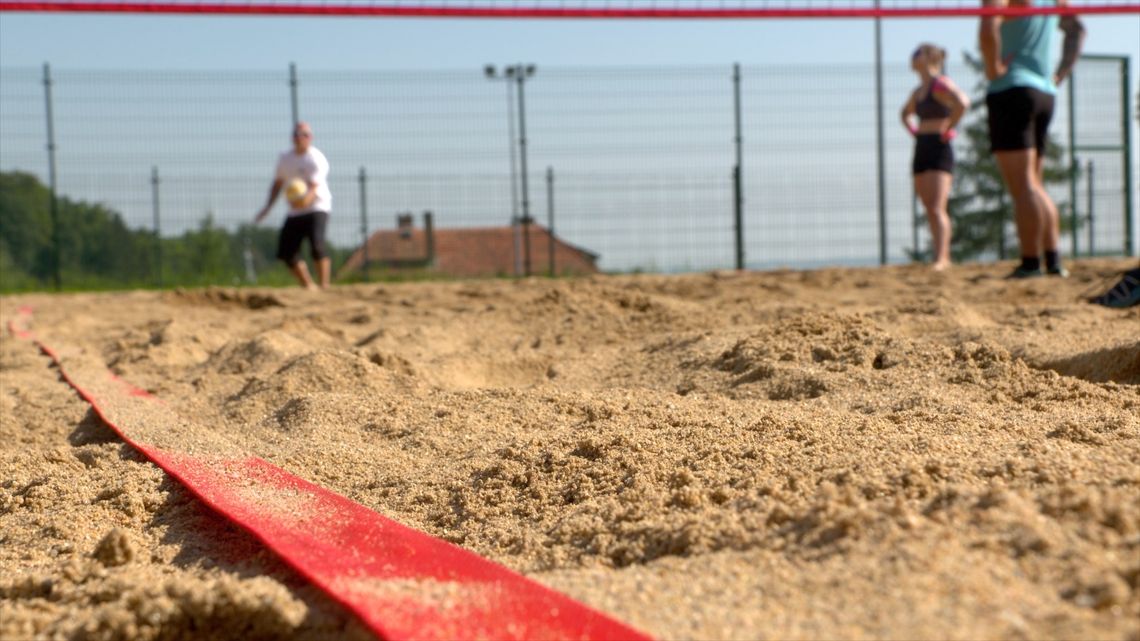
x: 635, y: 167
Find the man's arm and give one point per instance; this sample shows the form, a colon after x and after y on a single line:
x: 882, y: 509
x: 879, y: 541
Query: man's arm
x: 989, y: 41
x: 1074, y: 42
x: 274, y: 189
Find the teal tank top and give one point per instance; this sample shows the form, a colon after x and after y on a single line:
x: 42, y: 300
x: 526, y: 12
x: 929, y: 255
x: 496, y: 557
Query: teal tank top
x: 1026, y: 47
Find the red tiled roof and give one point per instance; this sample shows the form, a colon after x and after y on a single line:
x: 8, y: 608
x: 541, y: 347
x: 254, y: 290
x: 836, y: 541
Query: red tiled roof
x: 469, y: 252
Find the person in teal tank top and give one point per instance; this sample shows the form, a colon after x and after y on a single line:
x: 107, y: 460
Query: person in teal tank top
x: 1025, y: 52
x: 1017, y: 52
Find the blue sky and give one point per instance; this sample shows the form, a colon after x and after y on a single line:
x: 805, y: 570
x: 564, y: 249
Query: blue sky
x: 181, y: 42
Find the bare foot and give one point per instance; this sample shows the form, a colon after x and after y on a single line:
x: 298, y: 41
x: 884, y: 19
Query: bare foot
x: 941, y: 266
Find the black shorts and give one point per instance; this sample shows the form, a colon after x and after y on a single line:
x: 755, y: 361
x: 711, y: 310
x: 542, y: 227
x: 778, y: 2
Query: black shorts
x: 1019, y: 119
x: 297, y: 228
x: 931, y: 154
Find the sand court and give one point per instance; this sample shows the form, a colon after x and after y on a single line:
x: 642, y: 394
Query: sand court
x: 848, y: 453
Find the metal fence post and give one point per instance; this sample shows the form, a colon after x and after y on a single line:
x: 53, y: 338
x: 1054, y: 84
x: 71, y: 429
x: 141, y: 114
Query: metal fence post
x: 293, y: 102
x: 1001, y: 225
x: 879, y: 134
x: 1091, y: 182
x: 1129, y: 176
x: 363, y: 224
x: 157, y: 224
x: 738, y: 172
x: 1074, y: 165
x: 550, y: 218
x: 54, y: 201
x: 914, y: 221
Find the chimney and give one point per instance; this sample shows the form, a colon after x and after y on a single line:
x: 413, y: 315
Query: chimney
x: 404, y: 225
x: 429, y: 229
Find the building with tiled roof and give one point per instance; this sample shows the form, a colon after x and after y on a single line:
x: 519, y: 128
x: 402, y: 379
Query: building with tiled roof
x: 467, y: 252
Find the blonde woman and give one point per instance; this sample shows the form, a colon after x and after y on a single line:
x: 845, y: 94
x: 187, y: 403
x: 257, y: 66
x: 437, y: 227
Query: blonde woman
x: 938, y: 105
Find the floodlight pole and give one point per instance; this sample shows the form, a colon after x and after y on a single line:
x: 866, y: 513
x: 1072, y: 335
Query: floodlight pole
x: 514, y: 176
x: 521, y: 74
x: 518, y: 75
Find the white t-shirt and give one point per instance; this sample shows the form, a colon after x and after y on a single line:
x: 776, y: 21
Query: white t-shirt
x: 312, y: 167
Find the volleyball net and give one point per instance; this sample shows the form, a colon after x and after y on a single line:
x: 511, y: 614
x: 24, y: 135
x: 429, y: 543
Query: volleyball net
x: 577, y: 9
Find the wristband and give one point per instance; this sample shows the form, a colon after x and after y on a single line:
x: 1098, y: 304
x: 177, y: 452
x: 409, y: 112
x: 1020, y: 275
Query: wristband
x: 949, y: 134
x: 912, y: 129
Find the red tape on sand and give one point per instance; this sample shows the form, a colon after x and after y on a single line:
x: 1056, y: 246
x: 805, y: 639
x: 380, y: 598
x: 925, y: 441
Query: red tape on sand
x: 402, y: 583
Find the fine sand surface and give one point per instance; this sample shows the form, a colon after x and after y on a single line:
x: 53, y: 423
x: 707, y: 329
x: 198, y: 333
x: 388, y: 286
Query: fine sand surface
x: 839, y: 454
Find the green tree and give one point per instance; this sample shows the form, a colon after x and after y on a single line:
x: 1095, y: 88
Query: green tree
x: 202, y: 256
x: 25, y: 231
x: 98, y: 250
x: 95, y: 246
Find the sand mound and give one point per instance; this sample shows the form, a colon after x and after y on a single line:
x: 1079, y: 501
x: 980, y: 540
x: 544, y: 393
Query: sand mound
x: 226, y: 298
x: 268, y: 349
x: 294, y: 384
x: 1120, y: 364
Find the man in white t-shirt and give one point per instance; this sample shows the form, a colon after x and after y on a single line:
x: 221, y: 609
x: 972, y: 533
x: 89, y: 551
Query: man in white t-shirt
x: 308, y: 216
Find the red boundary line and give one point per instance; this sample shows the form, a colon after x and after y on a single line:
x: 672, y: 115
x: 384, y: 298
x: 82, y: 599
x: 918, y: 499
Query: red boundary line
x: 442, y: 11
x: 400, y: 582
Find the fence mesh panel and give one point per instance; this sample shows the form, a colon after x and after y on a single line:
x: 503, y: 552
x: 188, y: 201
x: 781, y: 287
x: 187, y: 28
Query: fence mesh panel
x: 642, y: 160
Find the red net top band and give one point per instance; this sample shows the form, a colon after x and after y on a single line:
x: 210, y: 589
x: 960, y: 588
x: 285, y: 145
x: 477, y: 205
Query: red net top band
x: 581, y: 9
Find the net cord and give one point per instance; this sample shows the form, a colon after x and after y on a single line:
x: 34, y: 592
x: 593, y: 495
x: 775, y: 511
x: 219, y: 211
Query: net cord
x: 537, y: 11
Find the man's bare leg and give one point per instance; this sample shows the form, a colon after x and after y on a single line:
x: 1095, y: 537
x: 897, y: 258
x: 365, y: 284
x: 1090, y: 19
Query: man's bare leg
x: 301, y: 271
x: 324, y: 271
x: 1051, y: 235
x: 1019, y: 170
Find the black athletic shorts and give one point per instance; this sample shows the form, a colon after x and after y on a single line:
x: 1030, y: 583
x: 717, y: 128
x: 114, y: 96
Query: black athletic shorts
x: 1019, y: 119
x: 931, y: 154
x: 297, y: 228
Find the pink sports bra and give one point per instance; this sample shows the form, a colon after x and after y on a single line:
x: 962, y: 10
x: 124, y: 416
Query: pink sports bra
x: 929, y: 108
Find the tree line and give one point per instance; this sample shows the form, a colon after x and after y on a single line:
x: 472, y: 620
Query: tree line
x: 98, y: 250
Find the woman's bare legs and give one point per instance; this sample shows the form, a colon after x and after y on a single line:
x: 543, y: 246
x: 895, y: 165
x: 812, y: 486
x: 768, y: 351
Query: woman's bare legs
x: 933, y: 189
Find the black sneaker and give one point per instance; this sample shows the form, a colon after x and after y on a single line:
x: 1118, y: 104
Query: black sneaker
x: 1058, y: 271
x: 1124, y: 294
x: 1022, y: 273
